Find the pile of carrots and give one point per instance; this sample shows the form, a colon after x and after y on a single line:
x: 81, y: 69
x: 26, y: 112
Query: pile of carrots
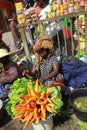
x: 33, y: 107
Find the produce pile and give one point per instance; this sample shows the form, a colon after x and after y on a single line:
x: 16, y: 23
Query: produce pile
x: 32, y: 102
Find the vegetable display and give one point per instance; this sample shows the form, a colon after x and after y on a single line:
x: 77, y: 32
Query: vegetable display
x: 36, y: 104
x: 19, y: 87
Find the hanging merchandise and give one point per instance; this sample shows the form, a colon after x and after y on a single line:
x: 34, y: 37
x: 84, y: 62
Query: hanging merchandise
x: 65, y: 2
x: 76, y: 5
x: 58, y: 10
x: 20, y: 12
x: 85, y: 5
x: 58, y: 2
x: 70, y: 8
x: 65, y: 9
x: 82, y: 4
x: 61, y: 9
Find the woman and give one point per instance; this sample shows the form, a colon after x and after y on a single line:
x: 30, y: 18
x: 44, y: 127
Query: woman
x: 46, y: 63
x: 9, y: 72
x: 16, y: 34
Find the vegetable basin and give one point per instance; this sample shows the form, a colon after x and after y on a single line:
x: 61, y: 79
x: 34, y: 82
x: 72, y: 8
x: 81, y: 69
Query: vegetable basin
x: 80, y: 113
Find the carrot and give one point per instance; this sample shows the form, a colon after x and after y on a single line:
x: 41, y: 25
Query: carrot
x: 46, y: 101
x: 19, y: 116
x: 43, y: 111
x: 42, y: 95
x: 28, y: 119
x: 26, y: 113
x: 33, y: 119
x: 37, y: 120
x: 30, y: 100
x: 39, y: 102
x: 32, y: 91
x: 49, y: 109
x: 37, y: 86
x: 35, y: 112
x: 20, y: 99
x: 50, y: 105
x: 52, y: 97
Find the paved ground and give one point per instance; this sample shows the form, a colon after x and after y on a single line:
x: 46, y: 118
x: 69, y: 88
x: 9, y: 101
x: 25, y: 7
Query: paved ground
x: 60, y: 123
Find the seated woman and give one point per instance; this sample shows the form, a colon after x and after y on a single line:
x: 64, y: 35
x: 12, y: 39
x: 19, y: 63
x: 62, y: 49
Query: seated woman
x: 9, y: 73
x: 46, y: 62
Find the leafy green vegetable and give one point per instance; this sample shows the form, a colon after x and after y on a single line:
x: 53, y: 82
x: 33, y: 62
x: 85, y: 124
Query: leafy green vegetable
x: 80, y: 105
x: 83, y: 125
x: 55, y: 91
x: 18, y: 88
x: 42, y: 88
x: 57, y: 103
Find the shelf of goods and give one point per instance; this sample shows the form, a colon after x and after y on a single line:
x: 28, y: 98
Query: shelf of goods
x: 35, y: 23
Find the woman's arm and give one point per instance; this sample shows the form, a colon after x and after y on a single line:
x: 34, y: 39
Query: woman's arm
x: 9, y: 76
x: 13, y: 32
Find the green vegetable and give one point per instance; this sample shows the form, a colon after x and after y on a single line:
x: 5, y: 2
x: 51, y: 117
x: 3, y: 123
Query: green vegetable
x: 80, y: 105
x: 55, y: 91
x: 18, y: 88
x: 42, y: 88
x: 57, y: 103
x: 83, y: 125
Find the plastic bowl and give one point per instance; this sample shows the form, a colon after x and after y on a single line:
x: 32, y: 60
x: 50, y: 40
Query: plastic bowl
x: 81, y: 114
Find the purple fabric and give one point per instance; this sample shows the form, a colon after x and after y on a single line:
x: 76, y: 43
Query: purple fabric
x: 75, y: 74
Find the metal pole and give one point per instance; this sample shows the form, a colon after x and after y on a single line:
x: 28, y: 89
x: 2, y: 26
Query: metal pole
x: 86, y: 34
x: 71, y: 36
x: 24, y: 40
x: 78, y: 37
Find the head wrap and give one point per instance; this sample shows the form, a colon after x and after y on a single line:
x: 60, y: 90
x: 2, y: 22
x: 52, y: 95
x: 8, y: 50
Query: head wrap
x: 45, y: 42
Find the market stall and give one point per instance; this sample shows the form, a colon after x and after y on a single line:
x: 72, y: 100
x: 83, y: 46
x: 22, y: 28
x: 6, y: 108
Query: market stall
x: 29, y: 101
x: 51, y: 24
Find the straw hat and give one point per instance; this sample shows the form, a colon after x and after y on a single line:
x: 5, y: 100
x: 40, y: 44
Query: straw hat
x: 4, y: 52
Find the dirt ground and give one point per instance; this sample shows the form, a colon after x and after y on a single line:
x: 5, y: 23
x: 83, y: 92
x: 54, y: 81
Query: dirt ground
x: 61, y: 122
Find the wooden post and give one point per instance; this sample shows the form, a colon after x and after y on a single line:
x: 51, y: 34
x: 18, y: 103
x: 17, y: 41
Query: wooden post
x: 24, y: 40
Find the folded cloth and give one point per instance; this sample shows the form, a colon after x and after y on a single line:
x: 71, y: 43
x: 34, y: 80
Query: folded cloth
x: 4, y: 90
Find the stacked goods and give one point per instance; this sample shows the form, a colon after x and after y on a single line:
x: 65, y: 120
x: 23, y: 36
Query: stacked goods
x: 76, y: 5
x: 30, y: 15
x: 85, y: 5
x: 61, y: 7
x: 20, y: 12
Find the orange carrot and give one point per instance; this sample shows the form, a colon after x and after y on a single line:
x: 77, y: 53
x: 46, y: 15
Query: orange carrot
x: 32, y: 91
x: 37, y: 86
x: 49, y: 109
x: 28, y: 119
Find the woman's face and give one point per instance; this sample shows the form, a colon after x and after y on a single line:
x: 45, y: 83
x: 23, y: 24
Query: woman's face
x: 43, y: 53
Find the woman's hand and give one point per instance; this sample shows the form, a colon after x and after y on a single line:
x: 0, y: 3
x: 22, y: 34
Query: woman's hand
x: 25, y: 72
x: 41, y: 80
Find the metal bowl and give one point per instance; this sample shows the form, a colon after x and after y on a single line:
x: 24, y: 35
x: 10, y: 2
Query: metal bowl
x: 81, y: 114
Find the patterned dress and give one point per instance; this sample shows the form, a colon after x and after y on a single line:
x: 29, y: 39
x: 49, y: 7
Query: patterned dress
x: 46, y: 68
